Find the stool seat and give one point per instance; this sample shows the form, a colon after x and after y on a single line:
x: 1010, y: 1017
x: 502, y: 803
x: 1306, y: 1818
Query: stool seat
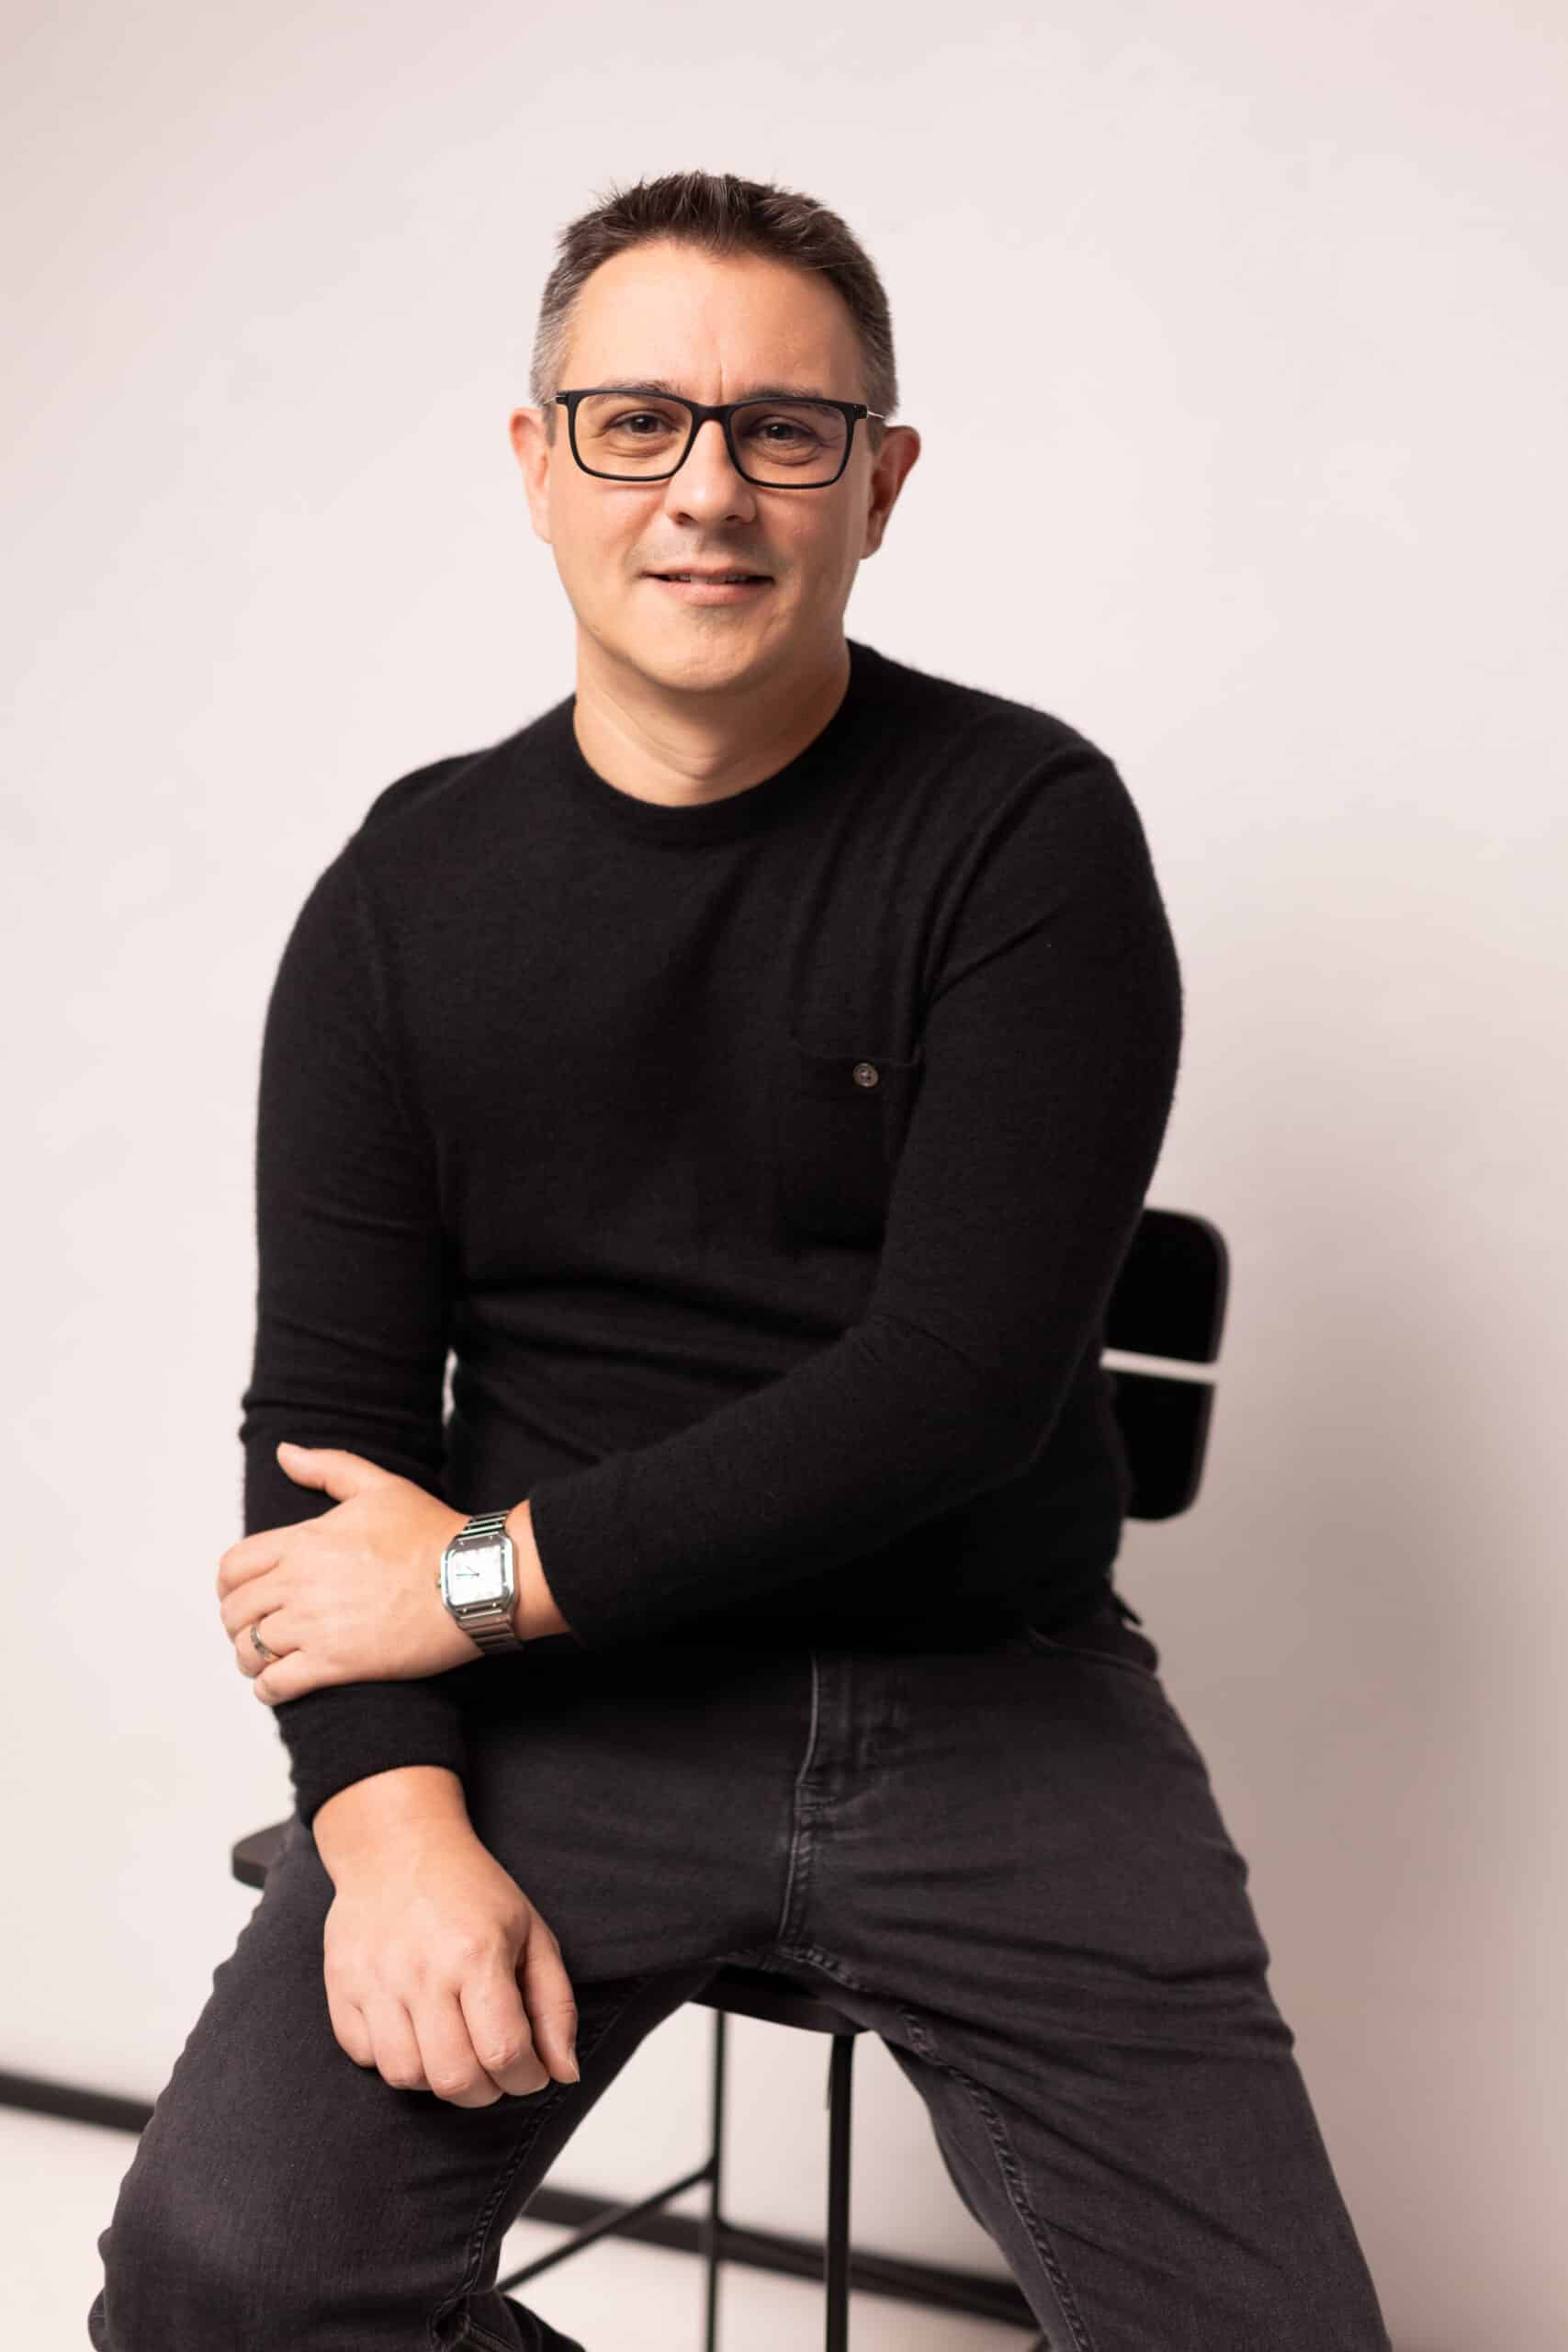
x: 779, y: 1999
x: 253, y: 1856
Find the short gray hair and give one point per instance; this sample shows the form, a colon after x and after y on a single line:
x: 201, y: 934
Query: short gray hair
x: 718, y: 214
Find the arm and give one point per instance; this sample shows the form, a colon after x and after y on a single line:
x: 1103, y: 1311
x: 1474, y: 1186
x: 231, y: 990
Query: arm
x: 427, y: 1935
x: 1051, y: 1041
x: 353, y: 1307
x: 536, y: 1612
x: 355, y: 1821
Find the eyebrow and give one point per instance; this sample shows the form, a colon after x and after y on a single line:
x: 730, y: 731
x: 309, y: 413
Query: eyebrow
x: 751, y: 392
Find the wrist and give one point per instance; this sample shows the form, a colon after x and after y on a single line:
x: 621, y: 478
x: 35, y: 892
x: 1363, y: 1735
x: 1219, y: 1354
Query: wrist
x: 533, y: 1610
x: 395, y: 1804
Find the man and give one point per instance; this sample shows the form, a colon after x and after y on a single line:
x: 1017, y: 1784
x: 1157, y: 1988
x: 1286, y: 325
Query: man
x: 752, y: 1071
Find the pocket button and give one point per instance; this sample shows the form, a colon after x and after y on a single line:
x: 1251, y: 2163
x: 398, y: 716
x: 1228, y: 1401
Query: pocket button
x: 866, y: 1074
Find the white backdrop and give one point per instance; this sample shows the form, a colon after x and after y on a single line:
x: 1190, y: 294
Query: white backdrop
x: 1236, y: 337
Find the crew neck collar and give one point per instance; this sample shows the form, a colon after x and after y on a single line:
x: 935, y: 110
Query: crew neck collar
x: 739, y: 813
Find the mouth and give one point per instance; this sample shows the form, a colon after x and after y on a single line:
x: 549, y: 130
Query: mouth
x: 712, y: 588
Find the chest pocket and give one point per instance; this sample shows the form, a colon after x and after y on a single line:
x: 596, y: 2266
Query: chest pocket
x: 840, y: 1121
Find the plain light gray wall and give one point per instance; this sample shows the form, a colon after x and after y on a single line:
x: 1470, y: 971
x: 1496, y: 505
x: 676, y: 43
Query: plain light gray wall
x: 1236, y: 340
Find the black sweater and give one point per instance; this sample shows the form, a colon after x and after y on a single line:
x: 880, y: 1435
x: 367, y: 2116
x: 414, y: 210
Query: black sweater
x: 765, y: 1167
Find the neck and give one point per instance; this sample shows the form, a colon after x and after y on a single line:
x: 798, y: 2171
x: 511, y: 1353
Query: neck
x: 684, y: 746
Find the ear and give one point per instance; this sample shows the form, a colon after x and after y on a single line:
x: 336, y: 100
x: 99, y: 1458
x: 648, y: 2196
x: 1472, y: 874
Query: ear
x: 533, y: 454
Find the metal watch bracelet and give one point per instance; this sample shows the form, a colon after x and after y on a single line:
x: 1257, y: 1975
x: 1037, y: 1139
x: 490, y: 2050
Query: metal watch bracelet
x: 491, y: 1627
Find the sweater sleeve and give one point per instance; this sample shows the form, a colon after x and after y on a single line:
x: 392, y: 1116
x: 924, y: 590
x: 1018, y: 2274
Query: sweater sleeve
x: 352, y: 1303
x: 1050, y: 1044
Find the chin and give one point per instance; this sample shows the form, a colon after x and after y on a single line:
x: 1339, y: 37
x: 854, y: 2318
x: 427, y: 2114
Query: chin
x: 691, y: 657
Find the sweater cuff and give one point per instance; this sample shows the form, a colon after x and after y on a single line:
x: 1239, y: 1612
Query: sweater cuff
x: 568, y: 1511
x: 343, y: 1732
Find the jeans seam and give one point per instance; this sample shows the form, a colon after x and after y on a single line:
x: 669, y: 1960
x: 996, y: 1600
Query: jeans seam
x: 996, y: 2130
x: 533, y: 2124
x: 483, y: 2338
x: 1013, y: 2179
x: 813, y: 1956
x: 801, y: 1813
x: 1018, y: 2193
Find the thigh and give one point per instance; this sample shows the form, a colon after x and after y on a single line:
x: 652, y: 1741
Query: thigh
x: 1037, y: 1902
x: 282, y: 2194
x: 643, y: 1798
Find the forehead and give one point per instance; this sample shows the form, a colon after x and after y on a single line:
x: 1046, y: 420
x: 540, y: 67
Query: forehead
x: 672, y: 314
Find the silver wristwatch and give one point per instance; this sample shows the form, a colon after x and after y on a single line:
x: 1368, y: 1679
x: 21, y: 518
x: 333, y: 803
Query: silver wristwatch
x: 478, y: 1581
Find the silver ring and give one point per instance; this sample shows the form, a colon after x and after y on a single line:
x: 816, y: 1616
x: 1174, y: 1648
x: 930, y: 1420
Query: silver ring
x: 259, y: 1646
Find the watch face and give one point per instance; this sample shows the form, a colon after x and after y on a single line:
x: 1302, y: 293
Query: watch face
x: 477, y: 1572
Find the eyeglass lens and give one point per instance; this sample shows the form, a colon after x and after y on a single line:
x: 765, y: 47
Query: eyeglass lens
x: 777, y: 441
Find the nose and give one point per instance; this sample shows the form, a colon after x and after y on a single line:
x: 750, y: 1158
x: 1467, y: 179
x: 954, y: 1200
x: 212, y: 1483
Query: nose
x: 708, y: 444
x: 706, y: 481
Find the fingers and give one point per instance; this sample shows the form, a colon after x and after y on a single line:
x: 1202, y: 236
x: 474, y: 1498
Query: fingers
x: 383, y: 2036
x: 395, y: 2047
x: 551, y: 2003
x: 252, y: 1662
x: 499, y: 2029
x: 502, y: 2023
x: 457, y: 2060
x: 432, y: 2053
x: 349, y: 2025
x: 470, y: 2047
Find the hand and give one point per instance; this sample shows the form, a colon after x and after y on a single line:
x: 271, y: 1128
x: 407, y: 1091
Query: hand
x: 350, y: 1596
x: 425, y: 1946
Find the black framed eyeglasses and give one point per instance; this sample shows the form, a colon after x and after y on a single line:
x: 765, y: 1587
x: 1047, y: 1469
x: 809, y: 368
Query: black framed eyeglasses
x: 627, y: 433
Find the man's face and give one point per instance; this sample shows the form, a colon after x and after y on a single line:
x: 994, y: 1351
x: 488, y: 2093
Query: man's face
x: 716, y: 330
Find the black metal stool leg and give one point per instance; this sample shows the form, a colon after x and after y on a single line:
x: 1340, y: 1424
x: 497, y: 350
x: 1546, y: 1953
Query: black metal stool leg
x: 712, y: 2220
x: 840, y: 2074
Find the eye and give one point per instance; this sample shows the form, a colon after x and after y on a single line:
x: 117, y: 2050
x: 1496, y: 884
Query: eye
x: 603, y: 418
x: 773, y: 427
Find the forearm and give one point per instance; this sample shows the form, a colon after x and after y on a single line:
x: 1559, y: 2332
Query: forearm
x: 413, y: 1798
x: 360, y: 1751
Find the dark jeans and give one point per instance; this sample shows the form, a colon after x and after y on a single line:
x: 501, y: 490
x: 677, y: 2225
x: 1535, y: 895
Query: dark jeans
x: 1008, y: 1862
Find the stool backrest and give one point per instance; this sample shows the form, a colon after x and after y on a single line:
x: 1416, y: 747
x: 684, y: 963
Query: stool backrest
x: 1169, y: 1300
